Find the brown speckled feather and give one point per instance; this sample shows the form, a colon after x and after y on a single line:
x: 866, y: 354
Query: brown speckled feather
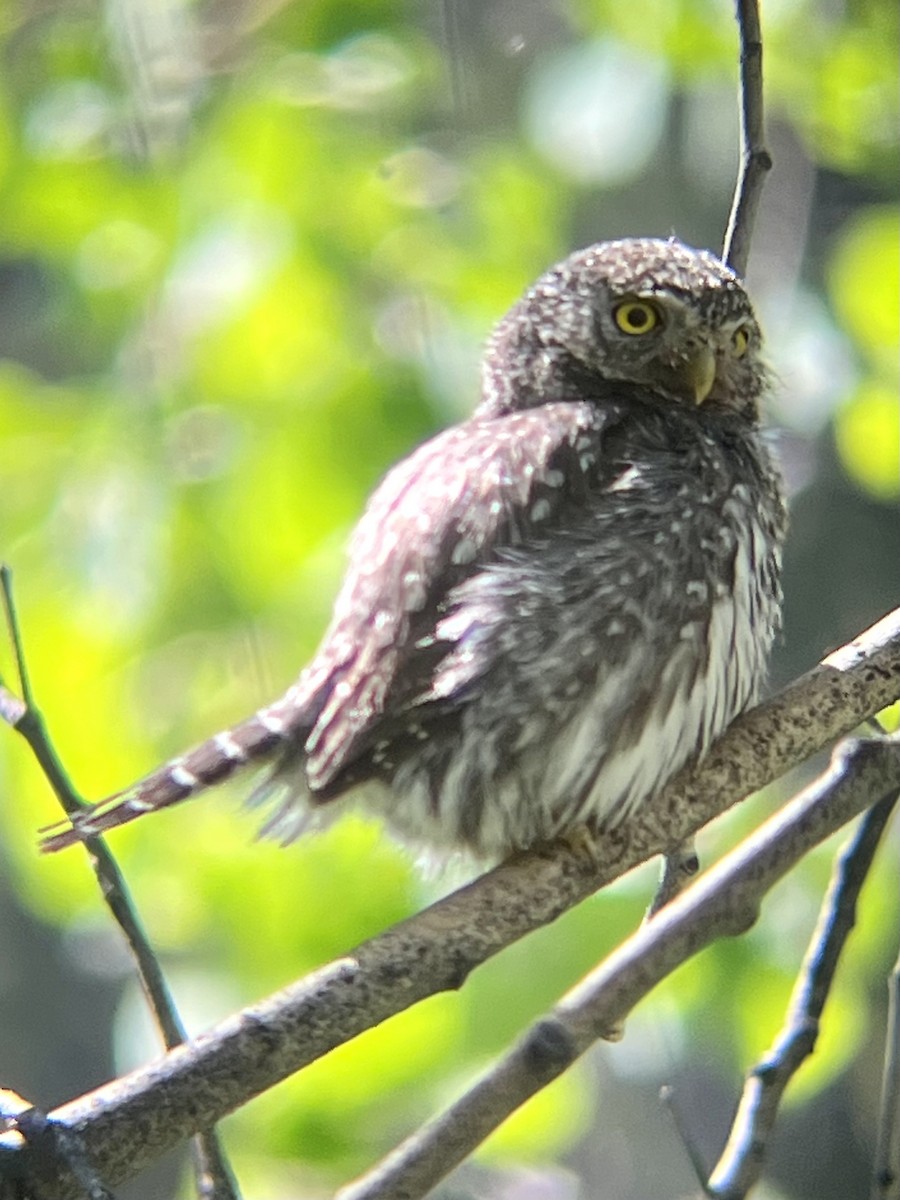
x: 552, y: 606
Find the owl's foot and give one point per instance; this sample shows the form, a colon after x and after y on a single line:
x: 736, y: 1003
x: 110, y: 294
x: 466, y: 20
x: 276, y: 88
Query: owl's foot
x: 680, y: 866
x: 581, y: 841
x: 584, y: 843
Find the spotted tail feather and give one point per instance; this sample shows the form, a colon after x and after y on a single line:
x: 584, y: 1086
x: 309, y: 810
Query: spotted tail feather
x: 213, y: 761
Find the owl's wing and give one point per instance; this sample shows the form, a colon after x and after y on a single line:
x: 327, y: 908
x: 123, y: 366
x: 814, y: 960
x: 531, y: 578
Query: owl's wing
x: 456, y: 501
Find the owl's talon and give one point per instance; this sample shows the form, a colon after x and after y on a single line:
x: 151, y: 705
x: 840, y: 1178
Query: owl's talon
x: 584, y: 843
x: 680, y: 866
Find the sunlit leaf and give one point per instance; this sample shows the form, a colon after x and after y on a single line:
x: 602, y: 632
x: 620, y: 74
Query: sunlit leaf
x: 867, y: 432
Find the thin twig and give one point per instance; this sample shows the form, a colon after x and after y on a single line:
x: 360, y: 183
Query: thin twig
x: 459, y: 90
x: 213, y: 1175
x: 128, y: 1123
x: 724, y: 902
x: 691, y: 1149
x: 756, y: 161
x: 742, y: 1160
x: 886, y: 1175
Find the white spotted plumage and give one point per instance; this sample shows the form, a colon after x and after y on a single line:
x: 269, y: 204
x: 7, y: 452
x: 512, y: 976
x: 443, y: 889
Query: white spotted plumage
x: 553, y: 605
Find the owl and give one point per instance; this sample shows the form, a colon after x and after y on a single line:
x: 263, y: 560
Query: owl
x: 552, y: 606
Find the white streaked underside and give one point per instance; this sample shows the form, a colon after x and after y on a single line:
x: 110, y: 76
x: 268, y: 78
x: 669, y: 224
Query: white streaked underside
x: 586, y: 763
x: 592, y: 767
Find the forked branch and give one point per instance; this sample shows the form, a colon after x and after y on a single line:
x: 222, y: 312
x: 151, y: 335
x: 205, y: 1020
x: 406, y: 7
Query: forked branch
x: 724, y: 902
x: 128, y: 1123
x: 214, y: 1180
x: 742, y: 1160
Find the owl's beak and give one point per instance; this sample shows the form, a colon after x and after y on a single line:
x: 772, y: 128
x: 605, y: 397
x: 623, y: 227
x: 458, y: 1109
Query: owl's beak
x: 699, y: 373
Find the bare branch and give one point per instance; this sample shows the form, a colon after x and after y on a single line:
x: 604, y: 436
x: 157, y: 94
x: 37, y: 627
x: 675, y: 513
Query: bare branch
x: 756, y: 161
x: 128, y: 1123
x: 724, y: 902
x: 742, y: 1160
x: 212, y: 1173
x: 886, y: 1181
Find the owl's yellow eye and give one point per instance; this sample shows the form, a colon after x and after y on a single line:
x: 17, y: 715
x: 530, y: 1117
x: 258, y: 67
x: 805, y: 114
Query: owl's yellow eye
x: 740, y: 341
x: 636, y: 316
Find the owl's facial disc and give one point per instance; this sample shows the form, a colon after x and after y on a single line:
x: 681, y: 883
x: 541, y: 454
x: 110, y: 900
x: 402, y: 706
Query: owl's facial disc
x: 657, y: 338
x: 669, y: 323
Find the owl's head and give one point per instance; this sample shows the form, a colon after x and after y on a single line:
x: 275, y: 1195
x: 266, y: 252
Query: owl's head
x: 641, y: 317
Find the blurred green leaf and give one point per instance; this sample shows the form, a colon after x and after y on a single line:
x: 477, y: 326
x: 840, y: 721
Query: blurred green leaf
x: 864, y: 286
x: 867, y: 432
x: 239, y: 276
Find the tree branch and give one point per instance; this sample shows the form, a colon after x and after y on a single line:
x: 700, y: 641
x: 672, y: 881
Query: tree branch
x: 886, y: 1181
x: 128, y: 1123
x: 742, y: 1160
x: 214, y: 1180
x: 724, y: 902
x: 756, y: 161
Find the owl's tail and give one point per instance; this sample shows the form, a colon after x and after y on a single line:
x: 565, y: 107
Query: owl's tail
x: 252, y: 742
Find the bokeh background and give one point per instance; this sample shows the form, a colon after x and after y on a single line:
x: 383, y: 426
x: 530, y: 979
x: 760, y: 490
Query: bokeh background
x: 249, y: 253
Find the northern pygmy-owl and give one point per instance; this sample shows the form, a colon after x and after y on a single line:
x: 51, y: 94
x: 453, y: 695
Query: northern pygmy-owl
x: 550, y: 607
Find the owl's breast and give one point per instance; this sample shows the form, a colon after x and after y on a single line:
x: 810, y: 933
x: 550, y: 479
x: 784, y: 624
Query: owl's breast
x: 603, y: 656
x: 697, y: 600
x: 581, y: 667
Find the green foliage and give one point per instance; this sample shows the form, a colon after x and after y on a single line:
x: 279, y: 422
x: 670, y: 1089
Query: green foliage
x: 234, y: 289
x: 864, y: 291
